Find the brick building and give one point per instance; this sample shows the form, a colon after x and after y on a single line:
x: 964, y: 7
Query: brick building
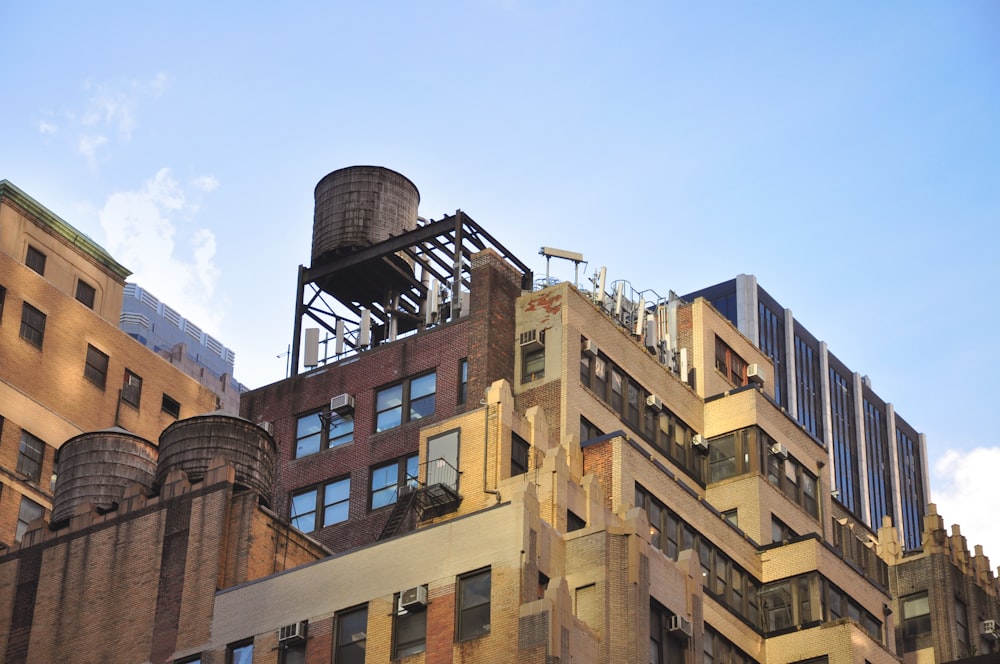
x: 481, y: 472
x: 65, y: 367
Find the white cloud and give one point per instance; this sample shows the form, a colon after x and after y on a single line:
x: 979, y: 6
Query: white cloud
x: 964, y: 489
x: 47, y: 128
x: 141, y: 227
x: 205, y: 183
x: 88, y: 146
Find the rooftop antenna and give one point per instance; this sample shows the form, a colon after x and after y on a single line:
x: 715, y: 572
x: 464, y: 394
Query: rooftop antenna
x: 550, y: 252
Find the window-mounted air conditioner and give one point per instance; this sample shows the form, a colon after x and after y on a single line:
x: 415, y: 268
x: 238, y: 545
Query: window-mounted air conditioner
x: 590, y: 347
x: 342, y: 404
x: 413, y: 598
x: 756, y: 374
x: 654, y: 402
x: 532, y: 340
x: 778, y: 449
x: 294, y: 633
x: 680, y: 624
x: 699, y: 443
x: 991, y: 629
x: 267, y: 426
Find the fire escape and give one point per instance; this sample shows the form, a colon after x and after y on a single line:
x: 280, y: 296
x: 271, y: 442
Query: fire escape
x: 436, y: 496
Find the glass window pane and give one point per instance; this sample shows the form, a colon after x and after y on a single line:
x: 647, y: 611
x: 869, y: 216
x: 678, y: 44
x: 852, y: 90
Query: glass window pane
x: 307, y: 435
x: 390, y: 397
x: 389, y: 419
x: 422, y: 386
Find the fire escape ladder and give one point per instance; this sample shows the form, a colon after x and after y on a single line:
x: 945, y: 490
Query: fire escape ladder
x: 404, y: 503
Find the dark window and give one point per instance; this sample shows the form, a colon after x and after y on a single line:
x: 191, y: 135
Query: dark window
x: 588, y: 431
x: 35, y: 260
x: 473, y: 605
x: 132, y: 388
x: 808, y: 389
x: 730, y: 365
x: 533, y: 365
x: 463, y: 380
x: 85, y: 293
x: 410, y: 400
x: 409, y: 631
x: 781, y: 532
x: 311, y: 435
x: 352, y: 636
x: 387, y: 479
x: 292, y: 653
x: 170, y: 406
x: 30, y: 510
x: 962, y: 622
x: 519, y: 449
x: 30, y: 455
x: 96, y: 367
x: 845, y: 452
x: 32, y: 325
x: 574, y: 522
x: 3, y: 296
x: 240, y: 653
x: 321, y: 506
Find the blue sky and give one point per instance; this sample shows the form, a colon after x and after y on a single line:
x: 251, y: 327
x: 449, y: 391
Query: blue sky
x: 845, y: 154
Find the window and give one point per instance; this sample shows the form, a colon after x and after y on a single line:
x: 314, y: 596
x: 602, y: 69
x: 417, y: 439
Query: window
x: 352, y: 636
x: 3, y: 296
x: 442, y: 459
x: 732, y: 516
x: 780, y: 532
x: 311, y: 436
x: 30, y: 455
x: 321, y: 506
x: 473, y: 605
x: 85, y: 293
x: 240, y: 653
x: 409, y: 631
x: 96, y: 367
x: 729, y: 364
x: 35, y: 260
x: 519, y: 449
x: 170, y: 406
x: 388, y: 478
x: 292, y: 653
x: 463, y: 380
x: 406, y: 401
x: 574, y: 522
x: 962, y: 622
x: 30, y: 510
x: 32, y: 325
x: 132, y: 388
x: 533, y: 365
x: 916, y: 616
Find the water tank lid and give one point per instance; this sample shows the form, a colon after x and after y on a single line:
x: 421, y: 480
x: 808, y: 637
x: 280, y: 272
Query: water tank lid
x: 117, y: 430
x: 362, y: 167
x: 216, y: 414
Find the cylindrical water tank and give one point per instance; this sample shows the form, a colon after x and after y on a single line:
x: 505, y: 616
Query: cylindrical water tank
x: 190, y: 445
x: 96, y: 468
x: 359, y: 206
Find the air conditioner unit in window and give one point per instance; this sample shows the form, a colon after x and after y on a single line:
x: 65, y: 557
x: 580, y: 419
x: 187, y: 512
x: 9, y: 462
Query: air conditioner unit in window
x: 413, y: 598
x: 267, y: 426
x: 654, y: 402
x: 680, y: 624
x: 590, y: 347
x: 533, y: 340
x: 294, y: 633
x: 342, y: 404
x: 778, y: 449
x: 991, y: 629
x: 699, y: 443
x: 756, y: 374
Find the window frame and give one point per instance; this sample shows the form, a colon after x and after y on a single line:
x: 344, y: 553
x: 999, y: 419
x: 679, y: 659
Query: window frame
x: 464, y: 609
x: 132, y: 380
x: 402, y: 619
x: 3, y: 298
x: 29, y: 464
x: 22, y: 523
x: 345, y: 649
x: 89, y: 294
x: 35, y: 259
x: 167, y: 405
x: 329, y: 421
x: 321, y: 493
x: 404, y: 477
x: 728, y: 363
x: 463, y: 380
x: 405, y: 403
x: 532, y: 364
x: 919, y: 624
x: 32, y: 325
x: 234, y: 648
x: 95, y: 366
x: 520, y: 455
